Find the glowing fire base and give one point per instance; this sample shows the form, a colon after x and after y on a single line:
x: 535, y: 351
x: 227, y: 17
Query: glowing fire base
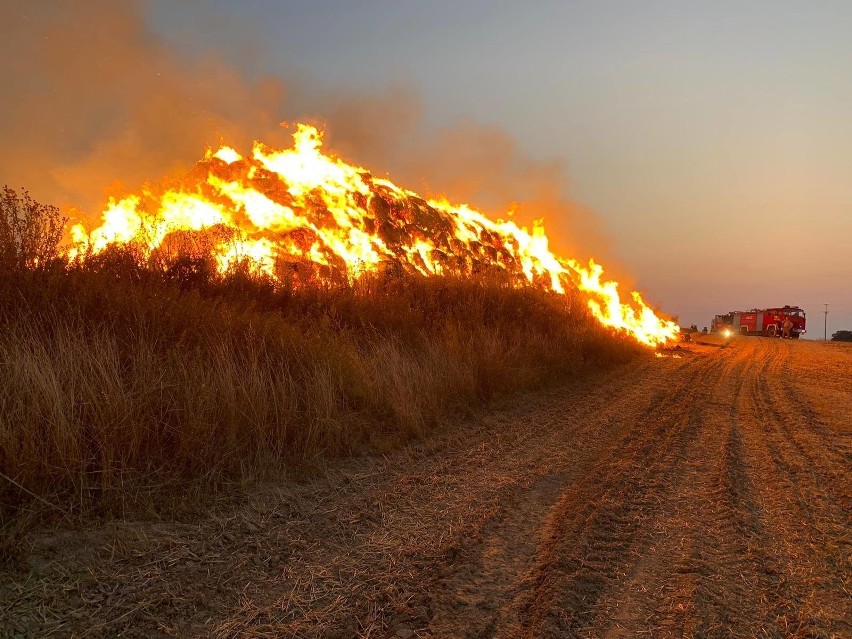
x: 297, y: 208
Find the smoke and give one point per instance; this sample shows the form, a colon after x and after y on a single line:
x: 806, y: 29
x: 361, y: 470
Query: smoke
x: 98, y: 104
x: 97, y: 98
x: 485, y: 167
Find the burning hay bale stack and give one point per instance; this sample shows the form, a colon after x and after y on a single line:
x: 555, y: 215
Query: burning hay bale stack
x: 299, y: 215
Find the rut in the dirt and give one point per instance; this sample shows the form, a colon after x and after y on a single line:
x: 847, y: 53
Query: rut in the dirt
x: 700, y: 496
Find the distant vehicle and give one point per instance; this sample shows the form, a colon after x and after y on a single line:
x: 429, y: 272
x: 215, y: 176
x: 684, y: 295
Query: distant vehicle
x: 761, y: 321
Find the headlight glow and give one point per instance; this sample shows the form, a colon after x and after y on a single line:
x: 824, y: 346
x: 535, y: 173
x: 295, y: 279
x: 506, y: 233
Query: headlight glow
x: 727, y: 332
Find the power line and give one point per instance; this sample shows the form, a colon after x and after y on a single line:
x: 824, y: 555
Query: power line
x: 825, y: 324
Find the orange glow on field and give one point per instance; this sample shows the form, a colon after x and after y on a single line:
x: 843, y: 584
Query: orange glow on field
x: 300, y: 210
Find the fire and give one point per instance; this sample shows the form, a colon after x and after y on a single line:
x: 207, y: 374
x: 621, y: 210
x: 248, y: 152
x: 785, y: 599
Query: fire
x: 278, y: 212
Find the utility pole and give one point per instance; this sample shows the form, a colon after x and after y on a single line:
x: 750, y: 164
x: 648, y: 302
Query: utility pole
x: 825, y: 324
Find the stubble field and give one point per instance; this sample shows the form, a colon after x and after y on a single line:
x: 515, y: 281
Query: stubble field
x: 702, y: 494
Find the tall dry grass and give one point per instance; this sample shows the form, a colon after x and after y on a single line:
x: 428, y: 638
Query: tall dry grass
x: 120, y: 380
x: 106, y: 384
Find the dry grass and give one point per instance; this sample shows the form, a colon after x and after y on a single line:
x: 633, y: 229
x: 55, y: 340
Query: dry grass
x: 118, y: 383
x: 126, y: 378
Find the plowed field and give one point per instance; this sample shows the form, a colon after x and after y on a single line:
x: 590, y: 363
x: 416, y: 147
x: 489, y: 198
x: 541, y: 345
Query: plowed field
x: 703, y: 495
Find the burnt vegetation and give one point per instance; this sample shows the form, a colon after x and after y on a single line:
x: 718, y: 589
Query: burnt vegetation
x: 123, y: 377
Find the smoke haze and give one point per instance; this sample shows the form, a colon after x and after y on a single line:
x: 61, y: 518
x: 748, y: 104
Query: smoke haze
x: 100, y: 104
x: 98, y: 99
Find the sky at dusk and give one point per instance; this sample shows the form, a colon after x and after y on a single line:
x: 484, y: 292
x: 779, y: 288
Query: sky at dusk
x: 711, y: 142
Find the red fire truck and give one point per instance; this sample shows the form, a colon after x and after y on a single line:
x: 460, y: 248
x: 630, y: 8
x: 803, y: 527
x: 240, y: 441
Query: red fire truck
x: 761, y: 321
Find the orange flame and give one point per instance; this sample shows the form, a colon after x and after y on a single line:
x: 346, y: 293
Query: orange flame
x: 299, y: 208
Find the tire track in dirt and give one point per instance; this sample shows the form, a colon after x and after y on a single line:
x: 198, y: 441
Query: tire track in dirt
x: 807, y: 525
x: 473, y: 595
x: 825, y: 375
x: 822, y: 462
x: 743, y: 587
x: 797, y: 420
x: 591, y: 535
x: 757, y: 584
x: 667, y: 591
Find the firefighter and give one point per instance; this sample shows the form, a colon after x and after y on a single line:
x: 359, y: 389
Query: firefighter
x: 786, y: 327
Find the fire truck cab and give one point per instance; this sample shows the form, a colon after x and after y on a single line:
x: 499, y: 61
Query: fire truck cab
x: 722, y: 324
x: 766, y: 321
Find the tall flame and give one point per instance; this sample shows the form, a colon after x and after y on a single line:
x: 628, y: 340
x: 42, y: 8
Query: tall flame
x: 300, y: 210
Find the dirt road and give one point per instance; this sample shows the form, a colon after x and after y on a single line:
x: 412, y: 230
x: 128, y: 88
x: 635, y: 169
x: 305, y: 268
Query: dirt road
x: 708, y: 495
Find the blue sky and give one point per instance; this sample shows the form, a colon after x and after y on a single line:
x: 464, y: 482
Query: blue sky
x: 713, y: 140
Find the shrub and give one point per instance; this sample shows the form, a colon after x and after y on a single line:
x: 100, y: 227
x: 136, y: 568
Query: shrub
x: 29, y: 232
